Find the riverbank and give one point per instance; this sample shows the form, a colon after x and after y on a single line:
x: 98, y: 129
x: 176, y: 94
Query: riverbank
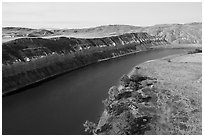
x: 31, y: 60
x: 160, y: 97
x: 21, y: 87
x: 179, y: 46
x: 70, y: 91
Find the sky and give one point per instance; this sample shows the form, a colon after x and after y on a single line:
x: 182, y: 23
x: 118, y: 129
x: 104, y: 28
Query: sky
x: 84, y: 15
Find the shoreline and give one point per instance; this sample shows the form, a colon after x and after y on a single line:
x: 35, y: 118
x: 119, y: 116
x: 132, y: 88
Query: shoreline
x: 33, y: 84
x: 19, y: 89
x: 187, y: 59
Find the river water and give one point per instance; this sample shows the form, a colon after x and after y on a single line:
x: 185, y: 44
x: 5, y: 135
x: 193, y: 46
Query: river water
x: 61, y: 106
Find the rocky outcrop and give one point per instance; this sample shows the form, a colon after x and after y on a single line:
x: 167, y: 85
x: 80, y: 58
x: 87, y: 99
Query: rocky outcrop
x: 28, y: 60
x: 161, y: 97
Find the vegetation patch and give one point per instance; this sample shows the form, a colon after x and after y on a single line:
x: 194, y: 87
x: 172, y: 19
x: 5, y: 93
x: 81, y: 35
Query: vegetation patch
x: 195, y: 51
x: 147, y: 109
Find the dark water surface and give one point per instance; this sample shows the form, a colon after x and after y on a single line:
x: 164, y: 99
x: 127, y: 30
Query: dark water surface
x: 62, y: 105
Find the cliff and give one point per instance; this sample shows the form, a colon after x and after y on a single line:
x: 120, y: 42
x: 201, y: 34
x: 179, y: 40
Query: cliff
x: 161, y: 97
x: 28, y: 60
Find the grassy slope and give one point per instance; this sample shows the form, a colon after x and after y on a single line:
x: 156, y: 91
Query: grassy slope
x: 178, y: 33
x: 170, y: 100
x: 175, y: 33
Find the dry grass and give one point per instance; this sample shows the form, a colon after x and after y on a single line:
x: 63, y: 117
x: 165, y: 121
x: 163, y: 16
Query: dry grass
x: 183, y: 76
x: 170, y: 104
x: 183, y: 73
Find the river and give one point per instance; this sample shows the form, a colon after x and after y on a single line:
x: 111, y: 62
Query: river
x: 61, y: 106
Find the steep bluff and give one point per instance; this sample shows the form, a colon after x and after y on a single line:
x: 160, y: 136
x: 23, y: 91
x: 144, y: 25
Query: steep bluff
x: 28, y: 60
x: 161, y: 97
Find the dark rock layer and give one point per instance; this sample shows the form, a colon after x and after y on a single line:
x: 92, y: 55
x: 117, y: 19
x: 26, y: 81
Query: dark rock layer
x: 28, y: 60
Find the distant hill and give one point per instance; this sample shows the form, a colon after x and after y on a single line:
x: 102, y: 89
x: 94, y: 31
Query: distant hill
x: 24, y: 32
x: 100, y: 31
x: 178, y: 33
x: 175, y: 33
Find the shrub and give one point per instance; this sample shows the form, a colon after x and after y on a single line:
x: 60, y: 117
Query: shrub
x: 90, y: 127
x: 124, y: 95
x: 124, y: 80
x: 119, y: 108
x: 133, y: 85
x: 195, y: 51
x: 198, y: 50
x: 137, y: 78
x: 113, y: 92
x: 140, y: 125
x: 169, y: 60
x: 106, y: 127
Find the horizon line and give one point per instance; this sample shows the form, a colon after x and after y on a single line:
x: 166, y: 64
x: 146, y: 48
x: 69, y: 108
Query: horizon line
x: 100, y: 26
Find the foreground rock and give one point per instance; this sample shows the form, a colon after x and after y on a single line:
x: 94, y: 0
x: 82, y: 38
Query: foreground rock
x: 158, y: 97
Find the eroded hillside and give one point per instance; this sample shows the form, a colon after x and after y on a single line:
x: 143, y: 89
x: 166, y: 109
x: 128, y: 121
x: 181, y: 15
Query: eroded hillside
x: 29, y: 60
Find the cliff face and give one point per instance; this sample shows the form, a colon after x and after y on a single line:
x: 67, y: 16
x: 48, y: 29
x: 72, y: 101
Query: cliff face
x: 161, y: 97
x: 28, y: 60
x: 29, y: 48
